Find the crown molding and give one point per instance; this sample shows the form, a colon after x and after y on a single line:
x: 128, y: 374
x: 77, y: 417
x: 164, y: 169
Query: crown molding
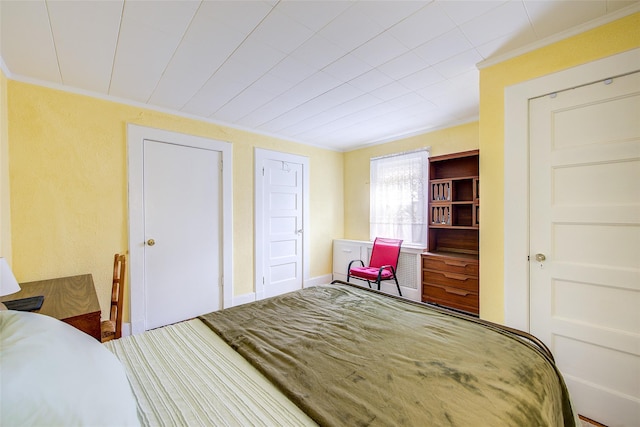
x: 578, y: 29
x: 137, y: 104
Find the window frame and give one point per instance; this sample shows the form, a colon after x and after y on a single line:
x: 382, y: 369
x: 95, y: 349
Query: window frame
x: 413, y: 233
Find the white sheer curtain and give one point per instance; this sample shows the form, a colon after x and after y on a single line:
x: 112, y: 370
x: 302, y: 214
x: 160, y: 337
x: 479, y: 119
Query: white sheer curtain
x: 398, y: 199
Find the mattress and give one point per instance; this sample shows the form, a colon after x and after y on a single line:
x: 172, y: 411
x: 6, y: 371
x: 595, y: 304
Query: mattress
x: 185, y: 375
x: 347, y: 355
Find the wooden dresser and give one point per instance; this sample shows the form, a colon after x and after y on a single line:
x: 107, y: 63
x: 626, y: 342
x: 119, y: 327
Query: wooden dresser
x: 451, y: 280
x: 70, y: 299
x: 450, y: 267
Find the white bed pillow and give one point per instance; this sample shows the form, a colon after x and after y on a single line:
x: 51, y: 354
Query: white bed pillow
x: 53, y: 374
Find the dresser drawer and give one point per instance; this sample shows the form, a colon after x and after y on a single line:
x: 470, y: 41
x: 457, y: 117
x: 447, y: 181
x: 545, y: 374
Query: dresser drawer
x: 451, y: 297
x: 451, y: 264
x: 452, y: 280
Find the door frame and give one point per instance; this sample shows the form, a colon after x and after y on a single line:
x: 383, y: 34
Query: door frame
x: 135, y: 149
x: 260, y: 155
x: 516, y: 168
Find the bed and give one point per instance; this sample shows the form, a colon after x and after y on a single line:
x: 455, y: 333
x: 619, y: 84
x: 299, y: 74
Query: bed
x: 336, y: 355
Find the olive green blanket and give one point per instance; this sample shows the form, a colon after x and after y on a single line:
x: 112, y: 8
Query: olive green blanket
x: 350, y: 357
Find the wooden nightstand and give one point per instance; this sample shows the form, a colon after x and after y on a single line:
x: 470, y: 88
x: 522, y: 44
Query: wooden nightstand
x: 70, y: 299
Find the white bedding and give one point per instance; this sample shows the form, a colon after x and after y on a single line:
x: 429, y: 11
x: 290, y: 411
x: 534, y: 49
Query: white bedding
x: 52, y: 374
x: 184, y: 374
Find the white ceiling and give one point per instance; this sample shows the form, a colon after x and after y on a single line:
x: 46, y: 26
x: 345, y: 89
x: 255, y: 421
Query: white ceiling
x: 336, y: 74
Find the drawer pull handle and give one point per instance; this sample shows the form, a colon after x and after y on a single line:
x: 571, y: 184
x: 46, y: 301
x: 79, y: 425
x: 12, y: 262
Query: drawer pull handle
x: 456, y: 263
x: 348, y: 251
x: 456, y: 292
x: 454, y: 276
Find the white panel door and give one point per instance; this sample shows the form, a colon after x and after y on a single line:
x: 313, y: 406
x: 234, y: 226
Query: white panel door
x: 281, y: 215
x: 182, y: 226
x: 283, y: 226
x: 585, y: 242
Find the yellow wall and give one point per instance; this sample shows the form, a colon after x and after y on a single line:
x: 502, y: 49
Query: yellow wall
x: 68, y: 172
x: 68, y: 181
x: 356, y: 173
x: 5, y: 217
x: 616, y: 37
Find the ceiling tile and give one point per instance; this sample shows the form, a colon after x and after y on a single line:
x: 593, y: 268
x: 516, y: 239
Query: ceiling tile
x: 150, y: 34
x: 24, y: 27
x: 273, y: 83
x: 263, y: 115
x: 459, y: 64
x: 242, y: 16
x: 281, y: 32
x: 424, y: 25
x: 213, y: 96
x: 189, y: 69
x: 213, y: 35
x: 339, y: 95
x: 443, y: 47
x: 421, y: 79
x: 293, y: 70
x: 352, y: 28
x: 313, y: 14
x: 85, y: 38
x: 246, y: 101
x: 258, y: 56
x: 407, y: 100
x: 613, y: 5
x: 380, y: 49
x: 347, y: 68
x: 388, y: 13
x: 338, y: 74
x: 315, y: 85
x: 509, y: 18
x: 371, y: 80
x: 506, y: 43
x: 403, y: 65
x: 550, y: 18
x: 390, y: 91
x: 436, y: 90
x: 461, y: 11
x: 322, y: 109
x: 467, y: 81
x: 319, y: 52
x: 310, y: 88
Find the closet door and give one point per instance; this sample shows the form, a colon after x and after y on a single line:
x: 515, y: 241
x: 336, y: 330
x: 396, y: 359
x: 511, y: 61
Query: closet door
x: 585, y: 242
x: 182, y: 211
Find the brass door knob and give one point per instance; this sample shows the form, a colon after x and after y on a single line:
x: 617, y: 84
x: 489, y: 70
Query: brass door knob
x: 540, y: 257
x: 151, y: 242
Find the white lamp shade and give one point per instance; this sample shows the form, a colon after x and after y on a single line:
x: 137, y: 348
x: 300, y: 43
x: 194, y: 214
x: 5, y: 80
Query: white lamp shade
x: 8, y: 283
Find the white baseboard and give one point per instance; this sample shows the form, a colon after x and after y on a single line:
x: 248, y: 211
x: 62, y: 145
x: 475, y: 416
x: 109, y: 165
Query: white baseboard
x: 320, y: 280
x: 243, y: 299
x: 126, y: 329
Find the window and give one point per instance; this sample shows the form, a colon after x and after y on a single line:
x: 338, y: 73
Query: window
x: 398, y: 199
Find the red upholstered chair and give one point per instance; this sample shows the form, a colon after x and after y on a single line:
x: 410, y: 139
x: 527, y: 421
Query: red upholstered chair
x: 382, y: 265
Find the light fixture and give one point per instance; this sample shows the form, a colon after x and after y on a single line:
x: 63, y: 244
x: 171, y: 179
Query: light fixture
x: 8, y: 283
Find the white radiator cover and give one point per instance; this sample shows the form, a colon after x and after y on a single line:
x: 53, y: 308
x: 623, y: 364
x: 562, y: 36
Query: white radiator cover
x: 407, y: 269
